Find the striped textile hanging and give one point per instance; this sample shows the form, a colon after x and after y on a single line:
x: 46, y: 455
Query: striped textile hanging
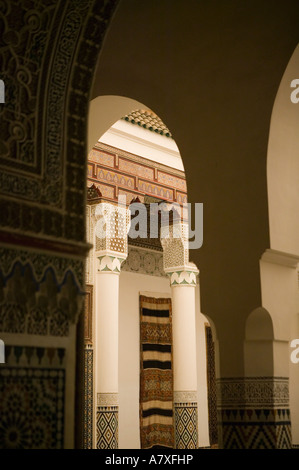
x: 156, y: 373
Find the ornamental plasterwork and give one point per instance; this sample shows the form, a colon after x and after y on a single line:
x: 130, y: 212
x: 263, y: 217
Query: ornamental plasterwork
x: 107, y: 399
x: 174, y: 240
x: 111, y: 229
x: 143, y: 261
x: 184, y: 277
x: 186, y: 396
x: 109, y: 264
x: 90, y: 238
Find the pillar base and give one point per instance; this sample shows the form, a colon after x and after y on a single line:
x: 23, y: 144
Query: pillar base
x: 254, y: 413
x: 107, y: 421
x: 185, y: 419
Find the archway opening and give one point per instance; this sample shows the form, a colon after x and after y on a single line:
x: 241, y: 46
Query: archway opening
x: 135, y: 159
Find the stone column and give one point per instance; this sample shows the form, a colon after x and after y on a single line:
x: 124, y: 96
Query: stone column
x: 111, y: 251
x: 182, y: 275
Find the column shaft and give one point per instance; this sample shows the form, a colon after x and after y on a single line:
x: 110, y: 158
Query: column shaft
x: 107, y: 286
x: 185, y: 371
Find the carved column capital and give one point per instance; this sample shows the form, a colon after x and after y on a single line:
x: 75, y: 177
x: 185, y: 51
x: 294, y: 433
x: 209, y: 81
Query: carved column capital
x: 112, y: 222
x: 174, y: 240
x: 184, y: 275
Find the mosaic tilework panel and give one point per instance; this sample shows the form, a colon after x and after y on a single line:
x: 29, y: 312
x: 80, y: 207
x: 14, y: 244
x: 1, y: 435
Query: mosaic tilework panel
x: 107, y: 427
x: 32, y: 397
x: 185, y: 425
x: 211, y: 384
x: 39, y: 294
x: 31, y: 408
x: 256, y: 429
x: 253, y: 413
x: 88, y: 399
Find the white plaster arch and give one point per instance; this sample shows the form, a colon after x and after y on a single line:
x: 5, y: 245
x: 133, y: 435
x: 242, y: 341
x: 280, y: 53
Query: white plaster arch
x: 258, y: 344
x: 104, y: 111
x: 283, y: 165
x: 259, y: 325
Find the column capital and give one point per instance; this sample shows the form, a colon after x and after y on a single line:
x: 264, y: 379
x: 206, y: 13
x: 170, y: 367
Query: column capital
x: 110, y: 263
x: 182, y: 275
x: 175, y: 243
x: 112, y: 222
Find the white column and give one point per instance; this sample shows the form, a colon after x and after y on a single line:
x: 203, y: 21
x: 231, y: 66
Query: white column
x: 107, y: 332
x: 182, y: 275
x: 183, y: 283
x: 107, y: 308
x: 110, y: 251
x: 184, y: 339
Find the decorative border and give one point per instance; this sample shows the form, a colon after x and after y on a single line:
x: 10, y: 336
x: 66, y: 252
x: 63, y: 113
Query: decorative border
x: 211, y: 385
x: 88, y: 315
x: 88, y: 399
x: 185, y: 396
x: 107, y: 399
x: 114, y: 172
x: 140, y: 160
x: 110, y: 264
x: 253, y: 392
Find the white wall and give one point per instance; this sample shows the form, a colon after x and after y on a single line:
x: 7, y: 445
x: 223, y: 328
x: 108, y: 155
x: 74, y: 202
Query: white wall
x: 129, y: 352
x: 143, y: 142
x: 131, y: 285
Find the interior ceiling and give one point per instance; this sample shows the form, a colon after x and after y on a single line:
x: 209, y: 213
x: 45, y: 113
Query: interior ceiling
x: 210, y: 70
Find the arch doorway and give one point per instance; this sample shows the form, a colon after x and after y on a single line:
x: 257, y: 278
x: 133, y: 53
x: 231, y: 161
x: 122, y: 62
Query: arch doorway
x: 140, y: 390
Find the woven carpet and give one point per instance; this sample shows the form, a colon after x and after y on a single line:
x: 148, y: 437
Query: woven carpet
x: 156, y: 374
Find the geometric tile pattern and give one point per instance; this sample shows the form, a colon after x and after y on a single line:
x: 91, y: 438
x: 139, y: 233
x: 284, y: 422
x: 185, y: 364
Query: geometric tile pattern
x: 256, y: 429
x: 32, y: 396
x: 185, y: 425
x: 211, y: 386
x: 88, y: 399
x: 253, y: 413
x: 37, y: 303
x: 107, y: 427
x: 31, y: 408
